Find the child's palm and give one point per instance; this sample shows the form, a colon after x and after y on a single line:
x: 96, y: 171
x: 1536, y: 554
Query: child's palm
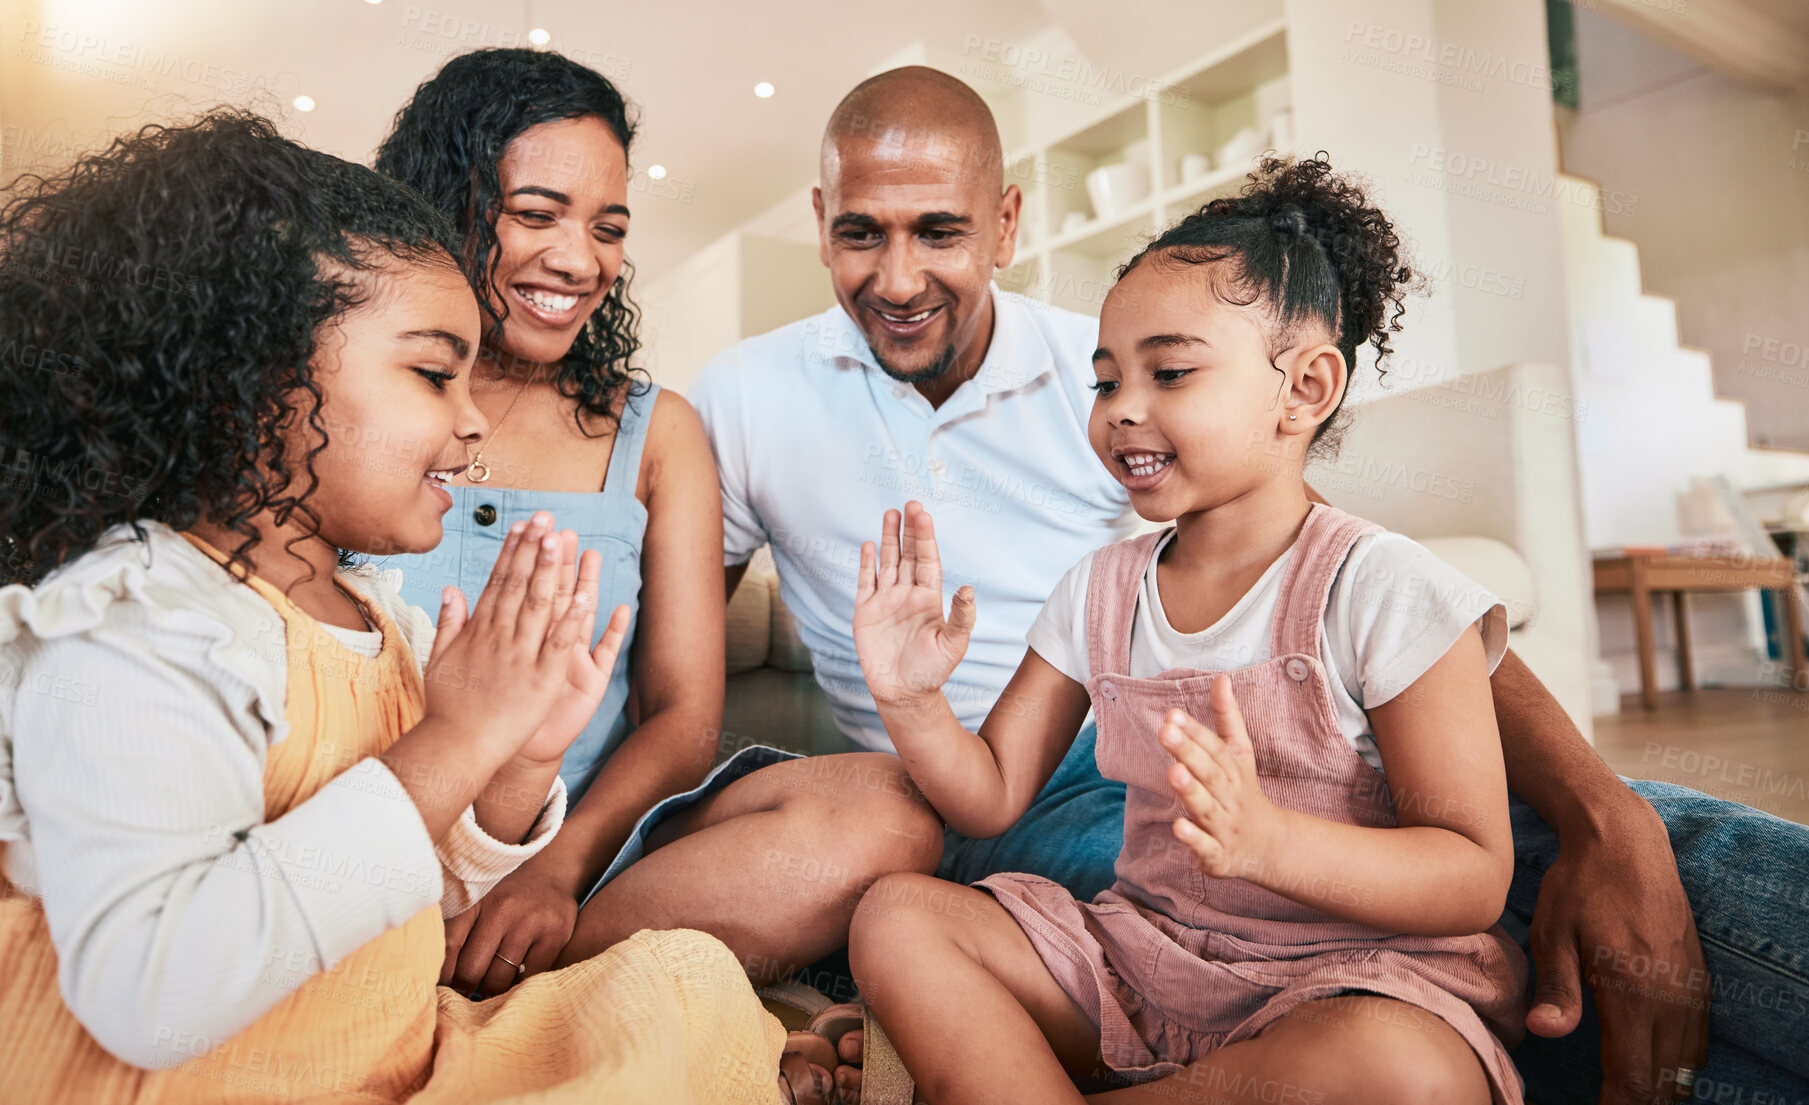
x: 1230, y: 824
x: 497, y: 670
x: 586, y: 681
x: 907, y: 648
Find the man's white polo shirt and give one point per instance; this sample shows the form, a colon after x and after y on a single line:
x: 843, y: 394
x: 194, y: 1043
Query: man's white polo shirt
x: 814, y: 442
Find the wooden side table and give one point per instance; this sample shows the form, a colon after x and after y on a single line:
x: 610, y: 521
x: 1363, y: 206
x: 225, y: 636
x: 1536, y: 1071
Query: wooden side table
x: 1642, y: 574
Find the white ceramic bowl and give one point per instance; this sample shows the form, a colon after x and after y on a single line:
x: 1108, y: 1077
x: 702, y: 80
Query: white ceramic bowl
x: 1115, y: 189
x: 1241, y: 149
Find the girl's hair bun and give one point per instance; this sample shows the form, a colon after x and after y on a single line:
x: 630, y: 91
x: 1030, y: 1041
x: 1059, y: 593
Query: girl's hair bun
x: 1289, y: 222
x: 1305, y: 244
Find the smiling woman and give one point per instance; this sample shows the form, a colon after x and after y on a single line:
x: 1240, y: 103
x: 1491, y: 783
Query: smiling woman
x: 528, y: 151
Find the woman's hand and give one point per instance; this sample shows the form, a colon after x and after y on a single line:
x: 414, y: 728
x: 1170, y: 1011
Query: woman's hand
x: 907, y: 649
x: 497, y: 672
x: 1231, y: 826
x: 527, y: 918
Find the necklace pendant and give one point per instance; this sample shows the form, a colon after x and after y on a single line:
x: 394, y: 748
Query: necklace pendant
x: 479, y: 472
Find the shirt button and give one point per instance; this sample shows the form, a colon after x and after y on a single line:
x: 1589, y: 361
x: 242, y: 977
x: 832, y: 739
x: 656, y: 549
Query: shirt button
x: 1297, y: 669
x: 900, y: 391
x: 484, y: 515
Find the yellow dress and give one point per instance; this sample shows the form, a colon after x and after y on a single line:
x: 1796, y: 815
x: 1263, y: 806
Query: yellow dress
x: 662, y: 1016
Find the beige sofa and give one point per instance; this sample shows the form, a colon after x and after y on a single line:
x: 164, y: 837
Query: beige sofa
x: 1482, y: 470
x: 773, y: 697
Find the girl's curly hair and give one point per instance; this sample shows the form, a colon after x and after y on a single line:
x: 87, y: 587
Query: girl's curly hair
x: 446, y: 143
x: 1306, y: 244
x: 159, y: 302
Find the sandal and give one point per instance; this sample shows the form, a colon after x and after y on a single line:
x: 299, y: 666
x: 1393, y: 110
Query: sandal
x: 807, y: 1013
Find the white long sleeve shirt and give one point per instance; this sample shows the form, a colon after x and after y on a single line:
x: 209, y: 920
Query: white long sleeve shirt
x: 140, y: 691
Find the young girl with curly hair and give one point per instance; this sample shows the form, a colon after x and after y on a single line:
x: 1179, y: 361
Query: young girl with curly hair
x: 1306, y: 897
x: 234, y: 803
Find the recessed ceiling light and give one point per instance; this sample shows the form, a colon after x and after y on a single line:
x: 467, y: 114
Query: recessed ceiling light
x: 539, y: 36
x: 304, y: 103
x: 373, y: 1
x: 764, y: 89
x: 657, y: 172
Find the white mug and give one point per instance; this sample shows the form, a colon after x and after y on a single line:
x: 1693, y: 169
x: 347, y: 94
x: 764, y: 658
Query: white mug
x: 1194, y: 166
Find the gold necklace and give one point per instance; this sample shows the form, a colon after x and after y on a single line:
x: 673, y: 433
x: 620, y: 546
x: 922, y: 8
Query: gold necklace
x: 479, y: 472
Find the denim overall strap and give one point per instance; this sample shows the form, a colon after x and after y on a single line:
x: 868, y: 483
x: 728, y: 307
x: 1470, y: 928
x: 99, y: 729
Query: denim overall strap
x: 631, y: 438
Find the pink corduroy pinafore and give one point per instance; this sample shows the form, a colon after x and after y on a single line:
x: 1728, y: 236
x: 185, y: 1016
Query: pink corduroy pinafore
x: 1172, y: 964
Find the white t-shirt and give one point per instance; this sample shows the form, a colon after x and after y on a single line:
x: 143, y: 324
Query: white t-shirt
x: 1393, y: 611
x: 814, y: 442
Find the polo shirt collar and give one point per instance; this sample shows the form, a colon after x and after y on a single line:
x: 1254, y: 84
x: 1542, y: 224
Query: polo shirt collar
x: 1017, y: 355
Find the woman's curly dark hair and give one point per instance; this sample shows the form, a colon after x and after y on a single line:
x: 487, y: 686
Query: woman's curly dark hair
x: 159, y: 302
x: 446, y: 143
x: 1306, y: 243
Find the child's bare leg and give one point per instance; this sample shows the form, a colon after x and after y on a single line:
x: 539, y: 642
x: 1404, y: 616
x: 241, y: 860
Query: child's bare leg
x: 773, y: 865
x: 1354, y: 1049
x: 972, y: 1010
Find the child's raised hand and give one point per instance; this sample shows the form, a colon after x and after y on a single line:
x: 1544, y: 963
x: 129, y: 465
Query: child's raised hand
x: 1231, y: 825
x: 907, y: 649
x: 496, y: 672
x: 587, y: 676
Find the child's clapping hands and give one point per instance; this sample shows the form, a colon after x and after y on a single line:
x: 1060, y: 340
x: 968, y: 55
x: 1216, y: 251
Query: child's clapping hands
x: 1231, y: 827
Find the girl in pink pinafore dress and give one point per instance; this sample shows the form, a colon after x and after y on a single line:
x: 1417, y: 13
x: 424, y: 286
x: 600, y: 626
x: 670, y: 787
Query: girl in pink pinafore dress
x: 1306, y: 897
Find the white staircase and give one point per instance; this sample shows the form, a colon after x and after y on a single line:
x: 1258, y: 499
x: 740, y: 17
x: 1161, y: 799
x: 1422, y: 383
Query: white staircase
x: 1648, y: 420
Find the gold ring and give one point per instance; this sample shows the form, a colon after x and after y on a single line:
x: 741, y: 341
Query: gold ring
x: 510, y: 962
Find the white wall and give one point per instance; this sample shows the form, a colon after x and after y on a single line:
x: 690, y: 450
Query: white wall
x: 1720, y: 171
x: 691, y: 313
x: 736, y: 287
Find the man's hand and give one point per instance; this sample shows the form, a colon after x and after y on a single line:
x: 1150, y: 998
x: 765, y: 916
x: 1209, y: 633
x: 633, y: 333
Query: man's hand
x: 1611, y: 911
x: 527, y: 918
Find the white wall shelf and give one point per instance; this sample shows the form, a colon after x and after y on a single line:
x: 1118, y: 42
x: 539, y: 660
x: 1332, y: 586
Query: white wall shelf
x: 1242, y: 83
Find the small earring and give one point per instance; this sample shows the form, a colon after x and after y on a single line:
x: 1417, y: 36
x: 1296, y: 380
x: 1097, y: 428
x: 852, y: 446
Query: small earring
x: 1291, y: 417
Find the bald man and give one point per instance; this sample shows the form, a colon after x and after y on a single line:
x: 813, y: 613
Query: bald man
x: 926, y: 381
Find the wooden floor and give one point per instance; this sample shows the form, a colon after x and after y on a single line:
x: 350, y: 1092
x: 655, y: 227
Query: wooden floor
x: 1746, y: 745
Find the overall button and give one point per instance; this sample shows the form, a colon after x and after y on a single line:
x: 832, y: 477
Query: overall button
x: 1108, y: 690
x: 484, y: 515
x: 1297, y: 669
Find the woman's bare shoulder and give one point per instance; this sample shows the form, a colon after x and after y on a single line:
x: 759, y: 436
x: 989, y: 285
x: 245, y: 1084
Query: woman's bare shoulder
x: 677, y: 449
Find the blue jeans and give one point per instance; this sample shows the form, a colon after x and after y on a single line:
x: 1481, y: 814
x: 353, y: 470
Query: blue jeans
x: 1746, y: 874
x: 1747, y: 877
x: 1071, y: 834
